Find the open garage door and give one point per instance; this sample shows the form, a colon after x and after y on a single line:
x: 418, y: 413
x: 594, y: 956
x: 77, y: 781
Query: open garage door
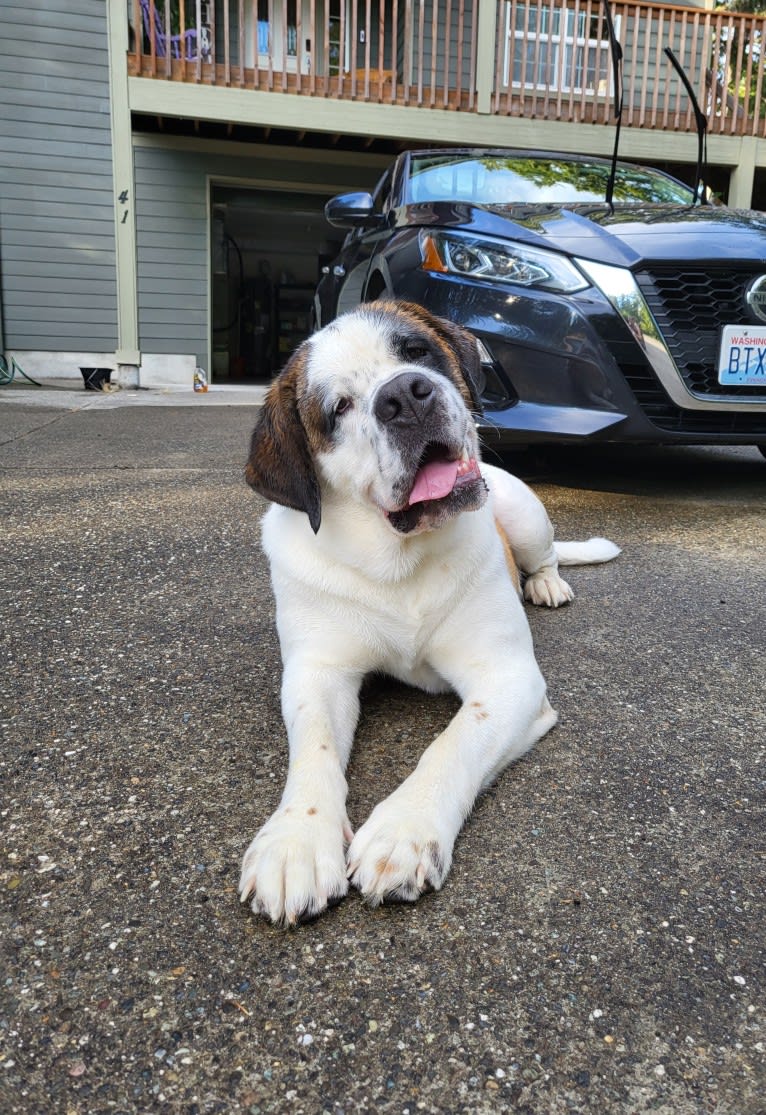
x: 267, y: 249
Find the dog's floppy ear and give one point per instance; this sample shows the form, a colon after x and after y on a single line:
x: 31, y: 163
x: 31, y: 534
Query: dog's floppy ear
x: 280, y: 466
x: 467, y: 350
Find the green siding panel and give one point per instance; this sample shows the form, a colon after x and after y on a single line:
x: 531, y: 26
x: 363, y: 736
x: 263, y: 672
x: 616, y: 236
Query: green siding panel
x: 171, y: 228
x: 171, y: 235
x: 57, y: 234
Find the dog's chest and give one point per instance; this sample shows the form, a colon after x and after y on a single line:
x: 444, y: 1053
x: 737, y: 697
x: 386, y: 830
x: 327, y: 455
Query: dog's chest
x: 360, y: 591
x: 398, y: 623
x: 404, y: 615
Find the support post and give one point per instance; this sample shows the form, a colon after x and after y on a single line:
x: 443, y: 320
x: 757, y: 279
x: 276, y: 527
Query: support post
x: 743, y: 175
x: 486, y: 38
x: 127, y: 356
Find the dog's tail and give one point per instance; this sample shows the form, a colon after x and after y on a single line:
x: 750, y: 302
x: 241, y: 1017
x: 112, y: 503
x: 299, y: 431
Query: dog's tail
x: 592, y: 552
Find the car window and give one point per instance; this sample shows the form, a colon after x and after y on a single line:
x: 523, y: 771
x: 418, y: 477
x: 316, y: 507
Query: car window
x: 507, y: 180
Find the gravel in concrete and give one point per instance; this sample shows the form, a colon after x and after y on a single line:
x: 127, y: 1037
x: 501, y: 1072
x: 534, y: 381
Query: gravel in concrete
x: 599, y: 944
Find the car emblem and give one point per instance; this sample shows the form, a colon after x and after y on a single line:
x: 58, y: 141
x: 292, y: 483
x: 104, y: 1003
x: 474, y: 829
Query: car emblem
x: 755, y: 297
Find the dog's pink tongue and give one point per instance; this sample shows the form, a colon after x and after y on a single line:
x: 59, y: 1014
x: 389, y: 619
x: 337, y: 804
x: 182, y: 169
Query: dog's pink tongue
x: 434, y: 481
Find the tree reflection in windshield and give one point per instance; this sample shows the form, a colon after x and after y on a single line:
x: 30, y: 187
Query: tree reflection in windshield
x: 508, y: 180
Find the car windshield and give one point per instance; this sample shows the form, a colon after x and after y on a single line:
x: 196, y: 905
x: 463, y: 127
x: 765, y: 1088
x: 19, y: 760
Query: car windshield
x: 512, y: 179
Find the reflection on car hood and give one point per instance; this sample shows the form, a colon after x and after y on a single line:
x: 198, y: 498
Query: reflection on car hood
x: 625, y: 237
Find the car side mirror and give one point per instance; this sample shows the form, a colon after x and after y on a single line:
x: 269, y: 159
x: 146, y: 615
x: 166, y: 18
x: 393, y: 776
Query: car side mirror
x: 352, y: 211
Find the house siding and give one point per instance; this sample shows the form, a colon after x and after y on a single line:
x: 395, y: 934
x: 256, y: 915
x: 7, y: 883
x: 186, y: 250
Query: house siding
x: 644, y: 47
x: 171, y: 246
x: 439, y: 56
x: 172, y: 229
x: 57, y: 237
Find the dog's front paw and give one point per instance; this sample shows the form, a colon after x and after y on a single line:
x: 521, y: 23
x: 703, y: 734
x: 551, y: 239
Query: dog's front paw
x: 547, y: 588
x: 398, y: 854
x: 295, y: 866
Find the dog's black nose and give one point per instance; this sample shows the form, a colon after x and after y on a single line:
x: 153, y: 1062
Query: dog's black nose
x: 406, y: 398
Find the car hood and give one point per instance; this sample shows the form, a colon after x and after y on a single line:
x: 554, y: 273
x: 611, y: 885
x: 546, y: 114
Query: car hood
x: 626, y: 237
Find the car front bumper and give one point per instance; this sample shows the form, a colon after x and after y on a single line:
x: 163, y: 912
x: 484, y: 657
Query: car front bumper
x: 574, y: 368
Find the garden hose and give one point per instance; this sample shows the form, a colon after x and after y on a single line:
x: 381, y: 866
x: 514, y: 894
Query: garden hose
x: 8, y: 371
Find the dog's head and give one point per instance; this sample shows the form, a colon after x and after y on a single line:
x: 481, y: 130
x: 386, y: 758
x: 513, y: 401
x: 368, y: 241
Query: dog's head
x: 376, y: 407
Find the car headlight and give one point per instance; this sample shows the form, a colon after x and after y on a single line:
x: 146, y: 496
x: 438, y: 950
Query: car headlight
x: 499, y: 261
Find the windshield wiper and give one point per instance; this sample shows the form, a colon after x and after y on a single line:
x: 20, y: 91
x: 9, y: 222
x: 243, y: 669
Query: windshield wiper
x: 617, y: 80
x: 701, y: 122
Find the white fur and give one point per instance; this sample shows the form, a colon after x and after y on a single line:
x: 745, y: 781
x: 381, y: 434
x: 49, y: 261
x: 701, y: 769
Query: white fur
x: 592, y: 552
x: 436, y: 609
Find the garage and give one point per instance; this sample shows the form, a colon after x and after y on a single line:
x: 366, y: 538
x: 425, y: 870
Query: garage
x: 267, y: 248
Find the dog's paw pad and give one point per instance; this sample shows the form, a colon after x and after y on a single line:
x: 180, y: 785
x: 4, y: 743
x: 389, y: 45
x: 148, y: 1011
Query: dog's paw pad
x: 547, y: 589
x: 295, y: 867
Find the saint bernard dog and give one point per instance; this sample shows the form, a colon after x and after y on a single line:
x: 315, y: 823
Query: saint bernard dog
x: 393, y: 549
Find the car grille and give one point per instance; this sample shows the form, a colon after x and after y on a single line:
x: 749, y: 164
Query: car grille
x: 690, y: 307
x: 663, y: 412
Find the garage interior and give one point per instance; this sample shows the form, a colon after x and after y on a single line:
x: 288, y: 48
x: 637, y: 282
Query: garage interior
x: 267, y: 251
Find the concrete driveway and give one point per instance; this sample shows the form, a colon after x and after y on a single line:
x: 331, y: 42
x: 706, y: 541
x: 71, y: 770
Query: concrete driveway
x: 599, y: 944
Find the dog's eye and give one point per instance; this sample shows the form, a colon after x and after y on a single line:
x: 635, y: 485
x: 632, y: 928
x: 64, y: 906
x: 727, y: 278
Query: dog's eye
x: 415, y: 352
x: 342, y: 406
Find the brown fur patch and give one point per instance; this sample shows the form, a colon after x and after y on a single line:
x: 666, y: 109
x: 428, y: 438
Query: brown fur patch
x: 457, y: 345
x: 510, y: 560
x: 314, y: 422
x: 280, y: 465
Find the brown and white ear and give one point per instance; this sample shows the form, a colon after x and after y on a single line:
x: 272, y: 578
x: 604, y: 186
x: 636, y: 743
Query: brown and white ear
x: 280, y: 465
x: 466, y: 349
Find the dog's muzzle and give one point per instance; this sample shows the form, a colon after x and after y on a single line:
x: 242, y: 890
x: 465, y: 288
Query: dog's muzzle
x: 441, y: 477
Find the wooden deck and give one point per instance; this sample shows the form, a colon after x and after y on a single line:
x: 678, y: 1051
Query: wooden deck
x: 549, y: 60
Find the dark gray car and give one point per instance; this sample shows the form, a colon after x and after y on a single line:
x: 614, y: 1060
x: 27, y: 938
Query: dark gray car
x: 643, y: 320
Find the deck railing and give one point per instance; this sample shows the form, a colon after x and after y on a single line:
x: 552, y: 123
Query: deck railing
x: 550, y: 58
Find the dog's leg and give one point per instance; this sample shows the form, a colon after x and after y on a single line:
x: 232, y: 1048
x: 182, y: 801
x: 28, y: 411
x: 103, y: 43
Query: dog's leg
x: 405, y: 847
x: 525, y: 523
x: 296, y: 866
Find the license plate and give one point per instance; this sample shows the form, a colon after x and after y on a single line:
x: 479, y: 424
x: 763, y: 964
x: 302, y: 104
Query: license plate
x: 742, y: 356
